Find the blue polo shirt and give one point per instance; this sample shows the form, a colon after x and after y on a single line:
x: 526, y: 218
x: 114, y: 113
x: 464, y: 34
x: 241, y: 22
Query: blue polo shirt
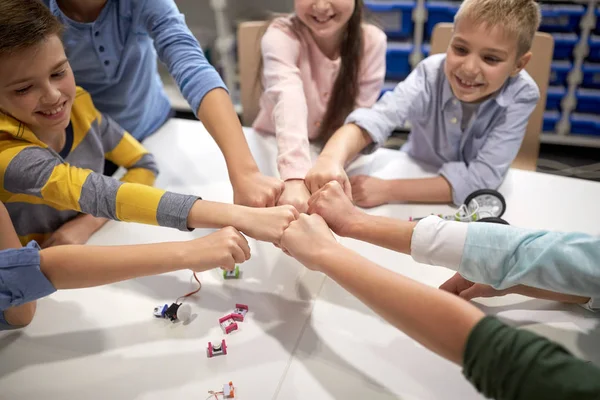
x: 471, y: 156
x: 21, y: 279
x: 115, y: 59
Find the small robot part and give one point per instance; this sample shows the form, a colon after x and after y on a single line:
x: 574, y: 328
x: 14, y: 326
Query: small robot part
x: 159, y: 312
x: 233, y: 274
x: 228, y: 323
x: 228, y: 391
x: 217, y: 349
x: 240, y: 312
x: 484, y: 205
x: 174, y: 312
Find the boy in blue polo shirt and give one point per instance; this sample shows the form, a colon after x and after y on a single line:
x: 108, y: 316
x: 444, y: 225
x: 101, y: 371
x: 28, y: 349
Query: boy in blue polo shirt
x: 112, y: 47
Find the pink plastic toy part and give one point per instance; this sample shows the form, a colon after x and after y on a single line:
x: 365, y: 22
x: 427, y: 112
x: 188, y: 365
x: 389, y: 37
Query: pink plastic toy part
x: 217, y: 349
x: 237, y: 317
x: 225, y: 318
x: 228, y: 323
x: 240, y: 309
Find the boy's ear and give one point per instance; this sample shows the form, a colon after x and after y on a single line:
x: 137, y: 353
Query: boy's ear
x: 521, y: 63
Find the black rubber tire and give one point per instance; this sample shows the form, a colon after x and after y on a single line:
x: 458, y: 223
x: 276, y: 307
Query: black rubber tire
x: 493, y: 220
x: 490, y: 192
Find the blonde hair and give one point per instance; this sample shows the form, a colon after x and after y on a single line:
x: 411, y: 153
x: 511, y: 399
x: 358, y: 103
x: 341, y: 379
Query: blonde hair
x: 520, y: 18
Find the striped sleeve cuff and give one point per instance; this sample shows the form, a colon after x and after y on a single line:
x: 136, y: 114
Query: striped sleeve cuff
x: 174, y: 209
x: 439, y: 242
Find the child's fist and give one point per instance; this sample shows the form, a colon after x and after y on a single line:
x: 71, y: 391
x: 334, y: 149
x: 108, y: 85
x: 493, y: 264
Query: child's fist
x: 306, y: 239
x: 256, y: 190
x: 331, y: 203
x: 267, y: 224
x: 469, y: 290
x: 369, y: 192
x: 295, y: 194
x: 223, y: 248
x: 325, y: 171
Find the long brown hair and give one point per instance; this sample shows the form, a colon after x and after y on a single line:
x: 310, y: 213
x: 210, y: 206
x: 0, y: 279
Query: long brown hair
x: 25, y: 23
x: 346, y: 86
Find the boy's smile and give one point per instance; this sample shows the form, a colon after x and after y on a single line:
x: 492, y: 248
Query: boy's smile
x: 480, y: 59
x: 37, y: 87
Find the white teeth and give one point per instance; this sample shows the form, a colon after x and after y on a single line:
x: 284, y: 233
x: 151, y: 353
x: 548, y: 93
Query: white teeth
x: 322, y: 19
x: 55, y: 111
x: 467, y: 83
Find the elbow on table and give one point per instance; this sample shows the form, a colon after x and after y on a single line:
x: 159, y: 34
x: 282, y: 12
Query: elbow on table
x: 20, y: 316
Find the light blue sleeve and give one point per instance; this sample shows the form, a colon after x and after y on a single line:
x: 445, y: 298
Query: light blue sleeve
x: 21, y: 279
x: 180, y: 51
x: 393, y: 109
x: 504, y: 256
x: 493, y: 160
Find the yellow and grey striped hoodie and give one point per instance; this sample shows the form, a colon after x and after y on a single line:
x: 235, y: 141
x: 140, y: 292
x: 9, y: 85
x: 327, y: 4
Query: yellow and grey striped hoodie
x: 42, y: 189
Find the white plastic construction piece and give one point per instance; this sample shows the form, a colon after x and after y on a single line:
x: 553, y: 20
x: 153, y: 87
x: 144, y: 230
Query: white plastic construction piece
x: 184, y: 312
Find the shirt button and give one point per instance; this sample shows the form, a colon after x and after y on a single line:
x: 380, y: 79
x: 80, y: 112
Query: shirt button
x: 317, y: 124
x: 101, y: 48
x: 97, y: 33
x: 455, y: 102
x: 106, y: 62
x: 454, y: 120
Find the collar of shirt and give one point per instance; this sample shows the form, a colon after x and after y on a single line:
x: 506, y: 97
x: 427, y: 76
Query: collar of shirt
x: 56, y: 11
x: 18, y: 130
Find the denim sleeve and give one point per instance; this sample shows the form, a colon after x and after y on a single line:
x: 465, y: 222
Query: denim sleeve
x: 21, y: 279
x: 505, y: 256
x: 393, y: 109
x: 180, y: 51
x: 493, y: 160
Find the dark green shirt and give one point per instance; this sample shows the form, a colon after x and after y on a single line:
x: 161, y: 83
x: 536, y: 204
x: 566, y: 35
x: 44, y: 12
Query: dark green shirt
x: 507, y: 363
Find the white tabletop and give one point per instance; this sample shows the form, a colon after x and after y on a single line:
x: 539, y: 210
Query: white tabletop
x: 304, y: 337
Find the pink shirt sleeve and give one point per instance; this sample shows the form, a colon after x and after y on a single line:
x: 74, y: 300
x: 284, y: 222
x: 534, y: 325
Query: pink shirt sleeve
x: 372, y: 74
x: 284, y: 90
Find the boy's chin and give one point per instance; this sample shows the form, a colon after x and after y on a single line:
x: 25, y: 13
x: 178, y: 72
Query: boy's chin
x: 473, y: 97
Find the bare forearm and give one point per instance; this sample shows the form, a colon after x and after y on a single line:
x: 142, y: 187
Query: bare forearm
x: 547, y: 295
x: 209, y: 214
x: 345, y: 144
x: 218, y: 116
x: 438, y: 320
x: 425, y: 190
x: 386, y: 232
x: 75, y: 266
x: 8, y: 236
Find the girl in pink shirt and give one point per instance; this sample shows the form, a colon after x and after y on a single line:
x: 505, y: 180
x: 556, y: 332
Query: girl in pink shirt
x: 319, y: 64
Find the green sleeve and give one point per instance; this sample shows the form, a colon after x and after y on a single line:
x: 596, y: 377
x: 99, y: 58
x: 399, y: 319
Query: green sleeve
x: 507, y: 363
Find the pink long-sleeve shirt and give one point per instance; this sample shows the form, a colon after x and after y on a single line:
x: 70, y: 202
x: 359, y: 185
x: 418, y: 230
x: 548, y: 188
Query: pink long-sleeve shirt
x: 298, y: 79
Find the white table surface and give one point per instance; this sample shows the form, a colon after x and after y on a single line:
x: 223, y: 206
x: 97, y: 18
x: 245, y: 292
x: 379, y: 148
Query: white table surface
x: 304, y: 337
